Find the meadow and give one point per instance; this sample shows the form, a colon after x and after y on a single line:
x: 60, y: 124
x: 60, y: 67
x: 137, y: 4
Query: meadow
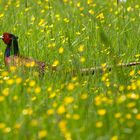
x: 71, y: 34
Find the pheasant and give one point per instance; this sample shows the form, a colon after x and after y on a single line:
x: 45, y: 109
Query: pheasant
x: 13, y: 57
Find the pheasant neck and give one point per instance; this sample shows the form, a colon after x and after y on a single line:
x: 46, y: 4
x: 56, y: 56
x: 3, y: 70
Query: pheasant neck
x: 12, y: 49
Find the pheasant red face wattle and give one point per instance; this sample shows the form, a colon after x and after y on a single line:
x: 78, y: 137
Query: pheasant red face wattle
x: 7, y: 38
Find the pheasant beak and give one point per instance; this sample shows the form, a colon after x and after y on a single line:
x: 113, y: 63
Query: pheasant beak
x: 1, y: 37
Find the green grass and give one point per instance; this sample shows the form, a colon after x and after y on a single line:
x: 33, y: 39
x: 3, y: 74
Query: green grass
x: 103, y: 106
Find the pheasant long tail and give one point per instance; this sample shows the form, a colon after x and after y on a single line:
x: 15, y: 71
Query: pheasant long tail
x: 93, y: 70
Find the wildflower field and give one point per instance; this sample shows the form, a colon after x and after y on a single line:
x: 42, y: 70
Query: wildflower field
x: 71, y: 35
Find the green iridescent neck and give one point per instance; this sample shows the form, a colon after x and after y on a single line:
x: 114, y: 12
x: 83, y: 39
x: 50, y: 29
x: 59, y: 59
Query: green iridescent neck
x: 12, y: 49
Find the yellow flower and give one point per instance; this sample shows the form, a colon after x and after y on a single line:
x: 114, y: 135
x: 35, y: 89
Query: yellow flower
x: 133, y: 86
x: 41, y: 22
x: 49, y: 89
x: 133, y: 96
x: 55, y: 63
x: 78, y: 33
x: 114, y: 138
x: 132, y: 73
x: 62, y: 125
x: 10, y: 81
x: 61, y: 110
x: 63, y: 128
x: 18, y: 80
x: 52, y: 95
x: 103, y: 66
x: 121, y: 88
x: 78, y: 4
x: 97, y: 27
x: 118, y: 115
x: 61, y: 50
x: 27, y: 111
x: 100, y: 16
x: 65, y: 1
x: 128, y: 116
x: 42, y: 134
x: 33, y: 18
x: 74, y: 78
x: 82, y: 59
x: 101, y: 112
x: 50, y: 112
x: 76, y: 117
x: 138, y: 116
x: 107, y: 84
x: 70, y: 86
x: 32, y: 83
x: 116, y: 12
x: 131, y: 105
x: 1, y: 53
x: 67, y: 135
x: 66, y: 20
x: 57, y: 16
x: 68, y: 100
x: 81, y: 9
x: 5, y: 92
x: 89, y: 1
x: 2, y: 125
x: 129, y: 9
x: 81, y: 48
x: 15, y: 97
x: 98, y: 101
x: 68, y: 116
x: 33, y: 98
x: 42, y: 11
x: 121, y: 99
x: 84, y: 96
x: 2, y: 98
x: 17, y: 126
x: 12, y: 68
x: 91, y: 12
x: 1, y: 15
x: 7, y: 130
x: 30, y: 64
x: 109, y: 25
x: 37, y: 90
x: 27, y: 9
x: 136, y: 6
x: 99, y: 124
x: 52, y: 45
x: 82, y: 16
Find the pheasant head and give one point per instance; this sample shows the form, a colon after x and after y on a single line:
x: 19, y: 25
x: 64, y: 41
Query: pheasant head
x: 12, y: 44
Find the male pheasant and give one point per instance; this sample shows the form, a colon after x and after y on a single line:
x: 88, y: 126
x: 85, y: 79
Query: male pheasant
x: 13, y: 57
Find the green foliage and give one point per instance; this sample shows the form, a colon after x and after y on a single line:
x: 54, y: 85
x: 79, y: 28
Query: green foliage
x: 71, y: 34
